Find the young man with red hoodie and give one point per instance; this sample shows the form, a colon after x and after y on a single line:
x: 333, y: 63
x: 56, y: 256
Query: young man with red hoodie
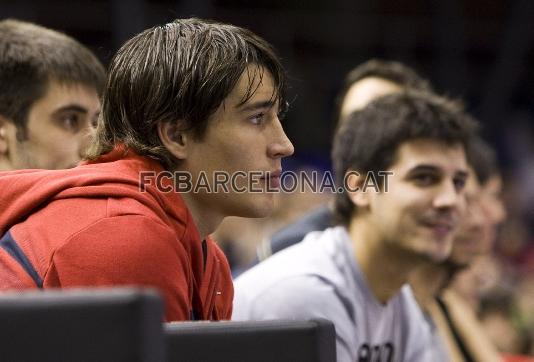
x: 192, y: 98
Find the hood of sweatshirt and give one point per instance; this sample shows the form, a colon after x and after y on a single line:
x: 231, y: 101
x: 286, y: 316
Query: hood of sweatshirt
x: 25, y: 191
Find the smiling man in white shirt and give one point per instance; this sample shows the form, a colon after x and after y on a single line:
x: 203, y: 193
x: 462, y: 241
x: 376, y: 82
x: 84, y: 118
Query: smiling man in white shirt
x: 355, y: 274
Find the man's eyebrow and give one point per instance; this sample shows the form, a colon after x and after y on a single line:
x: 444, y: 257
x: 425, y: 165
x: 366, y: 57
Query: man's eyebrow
x: 423, y: 168
x: 430, y: 168
x: 256, y: 105
x: 71, y: 108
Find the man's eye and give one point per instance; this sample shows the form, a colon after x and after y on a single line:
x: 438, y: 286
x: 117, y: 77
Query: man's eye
x: 257, y: 118
x: 459, y: 183
x: 425, y: 179
x: 71, y: 121
x: 94, y: 122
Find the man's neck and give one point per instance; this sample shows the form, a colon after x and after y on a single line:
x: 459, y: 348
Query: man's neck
x: 385, y: 267
x: 205, y: 218
x: 427, y: 282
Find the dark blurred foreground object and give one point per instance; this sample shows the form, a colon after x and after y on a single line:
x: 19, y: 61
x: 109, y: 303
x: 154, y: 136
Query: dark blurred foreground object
x: 82, y: 325
x: 258, y: 341
x: 125, y: 324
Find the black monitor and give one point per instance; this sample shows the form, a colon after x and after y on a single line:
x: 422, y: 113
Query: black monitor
x: 82, y: 325
x: 255, y: 341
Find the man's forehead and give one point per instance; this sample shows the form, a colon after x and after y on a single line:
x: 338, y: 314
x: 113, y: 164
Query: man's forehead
x: 434, y: 153
x: 255, y: 85
x: 62, y: 84
x: 72, y: 96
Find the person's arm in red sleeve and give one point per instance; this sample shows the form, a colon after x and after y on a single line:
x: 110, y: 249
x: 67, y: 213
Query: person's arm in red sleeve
x: 127, y: 250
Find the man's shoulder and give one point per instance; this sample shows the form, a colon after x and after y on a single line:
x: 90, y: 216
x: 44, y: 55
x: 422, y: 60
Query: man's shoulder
x: 316, y: 220
x: 306, y: 268
x: 69, y: 216
x: 136, y: 239
x: 298, y: 296
x: 315, y: 255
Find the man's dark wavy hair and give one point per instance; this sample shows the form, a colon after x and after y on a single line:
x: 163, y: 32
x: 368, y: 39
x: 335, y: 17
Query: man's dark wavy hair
x: 389, y: 70
x: 178, y: 72
x: 368, y: 140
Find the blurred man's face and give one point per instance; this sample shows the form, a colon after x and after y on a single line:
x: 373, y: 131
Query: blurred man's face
x: 468, y: 242
x: 492, y: 203
x: 485, y: 211
x: 494, y: 210
x: 364, y: 91
x: 58, y: 129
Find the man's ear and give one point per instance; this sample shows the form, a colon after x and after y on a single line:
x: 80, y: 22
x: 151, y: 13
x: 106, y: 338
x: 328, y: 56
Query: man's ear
x: 174, y: 138
x: 355, y: 189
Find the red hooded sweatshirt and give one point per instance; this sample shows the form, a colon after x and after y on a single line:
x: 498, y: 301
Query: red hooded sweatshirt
x: 94, y: 226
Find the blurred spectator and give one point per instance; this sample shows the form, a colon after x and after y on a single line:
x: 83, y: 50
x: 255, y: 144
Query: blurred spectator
x: 49, y: 97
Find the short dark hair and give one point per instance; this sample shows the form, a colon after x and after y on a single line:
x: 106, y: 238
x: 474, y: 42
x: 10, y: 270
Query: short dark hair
x: 30, y: 57
x: 481, y: 157
x: 368, y: 140
x: 392, y: 71
x: 178, y: 72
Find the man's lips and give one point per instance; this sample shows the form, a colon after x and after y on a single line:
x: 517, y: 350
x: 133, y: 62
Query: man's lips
x: 273, y: 177
x: 441, y: 228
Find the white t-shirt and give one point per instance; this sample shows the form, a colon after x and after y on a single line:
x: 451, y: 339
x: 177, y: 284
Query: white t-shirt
x: 319, y: 278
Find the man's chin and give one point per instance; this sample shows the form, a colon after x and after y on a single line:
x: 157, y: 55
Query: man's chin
x: 452, y: 268
x: 258, y: 209
x: 441, y: 253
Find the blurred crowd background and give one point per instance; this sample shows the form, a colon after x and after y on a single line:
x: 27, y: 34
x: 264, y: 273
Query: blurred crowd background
x: 476, y: 50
